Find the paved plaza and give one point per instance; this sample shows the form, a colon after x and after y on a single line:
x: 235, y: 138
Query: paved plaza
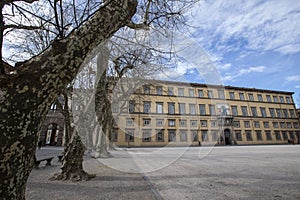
x: 228, y: 172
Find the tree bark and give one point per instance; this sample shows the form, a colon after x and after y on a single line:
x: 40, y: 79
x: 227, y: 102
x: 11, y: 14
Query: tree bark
x: 27, y: 94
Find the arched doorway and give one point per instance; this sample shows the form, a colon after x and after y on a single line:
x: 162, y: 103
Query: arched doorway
x: 52, y: 134
x: 227, y: 135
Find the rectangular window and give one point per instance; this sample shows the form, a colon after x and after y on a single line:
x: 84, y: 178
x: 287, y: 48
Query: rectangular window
x: 212, y: 109
x: 268, y: 135
x: 277, y: 135
x: 234, y: 110
x: 281, y: 99
x: 292, y: 136
x: 146, y: 122
x: 296, y: 125
x: 263, y: 112
x: 213, y: 123
x: 129, y: 122
x: 272, y: 112
x: 242, y: 97
x: 278, y: 112
x: 251, y: 98
x: 258, y: 135
x: 200, y: 93
x: 256, y: 124
x: 254, y: 112
x: 159, y: 107
x: 275, y: 99
x: 288, y: 124
x: 129, y: 135
x: 285, y: 113
x: 246, y: 124
x: 171, y: 108
x: 266, y: 125
x: 146, y: 89
x: 214, y: 135
x: 284, y: 135
x: 268, y: 98
x: 202, y: 109
x: 249, y: 136
x: 171, y: 136
x: 203, y: 123
x: 282, y: 125
x: 194, y: 135
x: 147, y: 106
x: 244, y: 111
x: 170, y: 91
x: 275, y: 125
x: 292, y: 113
x: 288, y: 99
x: 210, y: 94
x: 171, y: 122
x: 146, y: 136
x: 183, y: 136
x: 221, y: 94
x: 259, y: 97
x: 181, y: 108
x: 115, y: 135
x: 192, y: 109
x: 131, y: 106
x: 159, y: 136
x: 193, y: 123
x: 236, y: 124
x: 182, y: 123
x: 159, y: 90
x: 159, y: 122
x: 231, y: 95
x: 204, y: 135
x: 191, y: 92
x: 238, y: 136
x: 181, y: 92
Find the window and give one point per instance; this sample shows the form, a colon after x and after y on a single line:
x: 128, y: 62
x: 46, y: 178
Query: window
x: 272, y: 112
x: 193, y: 123
x: 288, y: 124
x: 191, y: 92
x: 115, y: 108
x: 234, y: 110
x: 181, y: 92
x: 284, y: 135
x: 258, y: 135
x: 129, y: 135
x: 292, y: 136
x: 275, y: 125
x: 242, y: 97
x: 256, y: 124
x: 171, y: 135
x: 204, y: 135
x: 131, y: 107
x: 181, y: 108
x: 115, y: 135
x: 146, y: 122
x: 213, y: 123
x: 266, y: 125
x: 236, y: 124
x: 254, y: 112
x: 159, y: 90
x: 251, y: 98
x: 146, y: 89
x: 246, y: 124
x: 183, y: 136
x: 221, y: 94
x: 171, y: 108
x: 288, y: 99
x: 244, y: 111
x: 269, y: 98
x: 238, y: 136
x: 147, y: 106
x: 285, y: 113
x: 278, y: 112
x: 159, y: 136
x: 194, y: 136
x: 214, y: 135
x: 282, y: 125
x: 277, y: 135
x: 170, y: 91
x: 159, y: 107
x: 146, y: 136
x: 159, y: 122
x: 192, y: 109
x: 296, y: 125
x: 268, y: 135
x: 249, y: 136
x: 129, y: 122
x: 275, y: 99
x: 281, y: 99
x: 210, y: 94
x: 231, y: 95
x: 171, y: 122
x: 263, y: 112
x: 202, y: 109
x: 259, y: 97
x: 203, y: 123
x: 212, y: 110
x: 292, y: 113
x: 200, y: 93
x: 182, y: 123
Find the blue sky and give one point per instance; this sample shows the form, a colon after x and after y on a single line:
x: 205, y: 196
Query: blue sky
x: 250, y: 43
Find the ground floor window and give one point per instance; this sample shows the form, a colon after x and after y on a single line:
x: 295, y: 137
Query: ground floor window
x: 277, y: 135
x: 194, y: 136
x: 284, y: 135
x: 183, y: 136
x: 238, y: 136
x: 249, y: 136
x: 147, y: 136
x: 214, y: 135
x: 129, y: 136
x: 292, y: 136
x: 171, y: 136
x: 258, y: 135
x: 268, y: 135
x: 114, y: 136
x: 159, y: 136
x: 204, y: 135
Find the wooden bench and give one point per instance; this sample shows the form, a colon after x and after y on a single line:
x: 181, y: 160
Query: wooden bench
x: 38, y: 162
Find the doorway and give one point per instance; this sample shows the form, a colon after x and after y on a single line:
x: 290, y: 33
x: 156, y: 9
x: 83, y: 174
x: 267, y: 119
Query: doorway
x: 227, y: 136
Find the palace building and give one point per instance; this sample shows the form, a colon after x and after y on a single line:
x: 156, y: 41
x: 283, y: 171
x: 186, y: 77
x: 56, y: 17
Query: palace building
x: 161, y: 113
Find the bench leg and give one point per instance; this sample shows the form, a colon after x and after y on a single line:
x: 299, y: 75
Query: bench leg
x: 49, y: 162
x: 36, y: 164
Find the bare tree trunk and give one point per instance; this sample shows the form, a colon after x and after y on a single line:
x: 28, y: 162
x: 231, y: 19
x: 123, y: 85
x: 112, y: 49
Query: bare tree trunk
x: 27, y: 94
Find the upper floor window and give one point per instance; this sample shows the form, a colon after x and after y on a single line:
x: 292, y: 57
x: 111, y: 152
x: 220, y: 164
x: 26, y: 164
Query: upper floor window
x: 170, y: 91
x: 182, y: 123
x: 171, y: 108
x: 129, y: 122
x: 210, y: 94
x: 221, y: 94
x: 242, y: 97
x: 272, y: 112
x: 285, y: 113
x: 181, y: 108
x: 159, y: 107
x: 171, y: 122
x: 251, y: 98
x: 202, y: 109
x: 147, y: 106
x: 146, y: 122
x: 159, y: 122
x: 292, y: 113
x: 281, y: 99
x: 212, y: 109
x: 256, y: 124
x: 266, y: 125
x: 263, y: 112
x: 254, y: 111
x: 146, y: 89
x: 192, y: 109
x: 159, y: 90
x: 246, y: 124
x: 269, y: 98
x: 275, y: 99
x: 278, y: 112
x: 193, y: 123
x: 181, y: 92
x: 131, y: 106
x: 200, y: 93
x: 231, y: 95
x: 244, y: 111
x: 191, y: 92
x: 203, y: 123
x: 234, y: 110
x: 259, y: 97
x: 288, y: 99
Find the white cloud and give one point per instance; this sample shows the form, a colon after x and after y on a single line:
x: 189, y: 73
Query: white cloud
x: 297, y: 86
x: 293, y: 78
x: 233, y: 76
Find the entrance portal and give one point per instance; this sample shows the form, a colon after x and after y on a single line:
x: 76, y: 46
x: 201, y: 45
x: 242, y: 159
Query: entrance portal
x: 227, y: 137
